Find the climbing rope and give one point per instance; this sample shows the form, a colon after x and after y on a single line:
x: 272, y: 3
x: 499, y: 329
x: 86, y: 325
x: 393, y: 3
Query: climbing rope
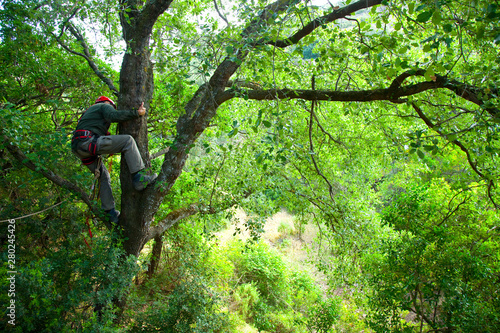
x: 96, y: 185
x: 36, y: 213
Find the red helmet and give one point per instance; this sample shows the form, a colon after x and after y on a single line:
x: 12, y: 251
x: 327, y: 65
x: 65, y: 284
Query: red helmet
x: 103, y: 99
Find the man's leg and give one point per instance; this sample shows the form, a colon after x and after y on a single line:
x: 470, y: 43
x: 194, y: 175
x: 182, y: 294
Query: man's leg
x: 105, y: 192
x: 125, y: 144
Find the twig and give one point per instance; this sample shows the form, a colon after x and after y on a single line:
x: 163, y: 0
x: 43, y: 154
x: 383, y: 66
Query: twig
x: 215, y: 180
x: 220, y: 14
x: 457, y: 143
x: 311, y: 146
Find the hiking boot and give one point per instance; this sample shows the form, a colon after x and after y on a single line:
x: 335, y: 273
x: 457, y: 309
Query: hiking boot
x: 141, y: 180
x: 113, y: 216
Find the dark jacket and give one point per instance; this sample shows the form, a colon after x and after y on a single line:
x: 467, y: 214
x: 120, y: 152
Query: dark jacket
x: 99, y: 117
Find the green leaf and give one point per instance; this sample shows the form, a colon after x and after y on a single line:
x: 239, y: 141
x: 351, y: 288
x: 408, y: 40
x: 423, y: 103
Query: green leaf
x: 411, y: 8
x: 420, y: 154
x: 436, y: 18
x: 447, y: 27
x: 424, y: 16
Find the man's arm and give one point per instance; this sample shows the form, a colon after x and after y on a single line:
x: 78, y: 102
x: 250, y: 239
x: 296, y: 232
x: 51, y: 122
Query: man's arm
x: 116, y: 116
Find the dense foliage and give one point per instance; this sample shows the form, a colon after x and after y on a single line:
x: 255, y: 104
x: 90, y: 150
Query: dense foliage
x: 374, y: 122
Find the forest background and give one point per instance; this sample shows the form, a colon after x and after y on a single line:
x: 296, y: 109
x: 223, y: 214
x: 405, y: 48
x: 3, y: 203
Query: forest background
x: 373, y: 123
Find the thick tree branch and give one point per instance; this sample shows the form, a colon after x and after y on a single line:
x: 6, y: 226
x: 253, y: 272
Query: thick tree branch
x: 201, y: 109
x: 320, y: 21
x: 160, y: 153
x: 473, y: 94
x: 137, y: 23
x: 16, y: 152
x: 195, y: 101
x: 171, y: 219
x: 394, y: 93
x: 387, y: 94
x: 150, y: 13
x: 177, y: 215
x: 243, y: 84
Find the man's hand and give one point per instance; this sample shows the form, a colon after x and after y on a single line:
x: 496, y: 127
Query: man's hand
x: 141, y: 110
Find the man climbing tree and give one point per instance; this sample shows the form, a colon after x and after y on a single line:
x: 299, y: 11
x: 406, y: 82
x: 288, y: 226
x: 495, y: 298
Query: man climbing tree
x: 400, y: 84
x: 259, y: 35
x: 433, y: 65
x: 91, y: 139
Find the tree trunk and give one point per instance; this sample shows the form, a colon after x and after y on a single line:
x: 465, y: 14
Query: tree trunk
x: 155, y: 256
x: 136, y: 87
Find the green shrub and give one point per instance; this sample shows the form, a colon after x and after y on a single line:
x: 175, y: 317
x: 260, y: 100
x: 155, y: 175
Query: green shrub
x: 261, y: 265
x: 284, y: 294
x: 58, y: 293
x: 324, y: 315
x: 279, y: 321
x: 181, y: 293
x: 192, y: 307
x: 351, y: 318
x: 246, y: 296
x: 304, y: 292
x: 441, y: 265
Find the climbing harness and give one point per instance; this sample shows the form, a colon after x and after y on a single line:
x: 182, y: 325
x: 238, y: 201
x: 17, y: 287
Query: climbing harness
x: 92, y: 147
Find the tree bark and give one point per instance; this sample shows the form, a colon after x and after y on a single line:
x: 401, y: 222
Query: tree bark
x: 136, y: 87
x: 155, y: 256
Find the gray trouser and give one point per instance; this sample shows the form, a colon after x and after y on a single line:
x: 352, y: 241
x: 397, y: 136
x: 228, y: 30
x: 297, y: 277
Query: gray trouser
x: 111, y: 144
